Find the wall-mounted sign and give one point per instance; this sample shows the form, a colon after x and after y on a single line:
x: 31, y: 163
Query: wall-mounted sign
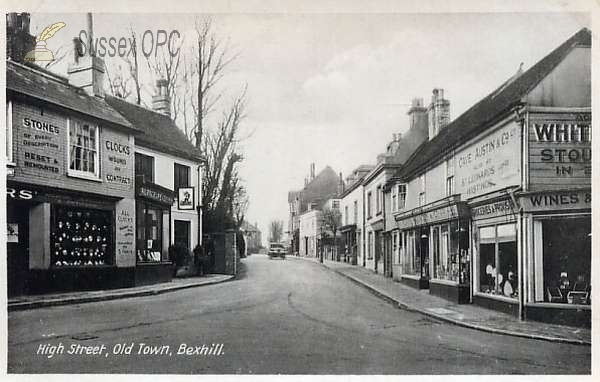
x: 560, y: 150
x: 556, y: 201
x: 490, y: 164
x: 155, y: 193
x: 503, y: 207
x: 185, y: 198
x: 40, y: 142
x: 444, y: 213
x: 117, y: 160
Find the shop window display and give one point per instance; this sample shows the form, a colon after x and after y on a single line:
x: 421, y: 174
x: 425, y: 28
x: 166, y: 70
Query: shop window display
x: 498, y: 260
x: 81, y: 237
x: 451, y: 259
x: 149, y: 233
x: 567, y: 260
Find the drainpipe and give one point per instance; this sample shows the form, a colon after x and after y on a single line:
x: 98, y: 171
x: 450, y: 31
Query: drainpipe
x: 521, y: 268
x: 199, y: 207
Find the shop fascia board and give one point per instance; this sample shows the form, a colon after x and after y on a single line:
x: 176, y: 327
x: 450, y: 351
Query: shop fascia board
x: 448, y: 201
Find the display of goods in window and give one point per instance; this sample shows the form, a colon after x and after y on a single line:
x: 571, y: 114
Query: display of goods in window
x: 81, y: 237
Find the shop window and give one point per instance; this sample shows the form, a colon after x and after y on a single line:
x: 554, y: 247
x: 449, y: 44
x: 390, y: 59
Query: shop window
x: 567, y: 259
x: 450, y: 258
x: 498, y: 260
x: 81, y: 237
x: 411, y: 264
x: 83, y: 149
x: 9, y: 133
x: 149, y: 232
x: 182, y: 176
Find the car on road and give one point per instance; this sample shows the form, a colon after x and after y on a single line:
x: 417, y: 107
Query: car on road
x: 276, y: 250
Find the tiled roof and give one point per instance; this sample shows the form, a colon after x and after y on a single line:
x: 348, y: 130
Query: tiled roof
x: 41, y: 85
x: 480, y: 116
x: 160, y: 132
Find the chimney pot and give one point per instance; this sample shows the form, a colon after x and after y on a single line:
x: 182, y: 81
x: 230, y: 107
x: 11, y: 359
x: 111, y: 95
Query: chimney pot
x: 161, y: 102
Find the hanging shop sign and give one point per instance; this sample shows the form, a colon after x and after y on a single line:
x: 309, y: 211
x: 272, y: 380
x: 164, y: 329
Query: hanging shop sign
x: 556, y: 201
x: 155, y: 193
x: 490, y: 164
x: 560, y: 150
x: 185, y: 198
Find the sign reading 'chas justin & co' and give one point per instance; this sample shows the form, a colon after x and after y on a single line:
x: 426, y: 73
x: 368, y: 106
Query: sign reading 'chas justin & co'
x: 560, y: 150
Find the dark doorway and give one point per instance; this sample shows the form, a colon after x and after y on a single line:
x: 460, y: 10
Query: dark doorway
x: 182, y: 233
x: 17, y: 247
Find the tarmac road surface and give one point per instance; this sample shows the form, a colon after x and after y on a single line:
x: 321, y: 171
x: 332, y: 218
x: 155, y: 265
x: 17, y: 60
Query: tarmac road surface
x: 279, y: 316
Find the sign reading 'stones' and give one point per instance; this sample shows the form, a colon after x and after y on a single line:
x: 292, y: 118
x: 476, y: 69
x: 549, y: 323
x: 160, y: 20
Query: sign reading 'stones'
x: 490, y: 164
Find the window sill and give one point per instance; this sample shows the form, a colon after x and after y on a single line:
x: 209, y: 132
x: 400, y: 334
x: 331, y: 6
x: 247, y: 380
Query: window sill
x: 497, y: 297
x: 559, y: 305
x: 444, y: 282
x: 83, y: 175
x: 409, y: 276
x: 11, y: 164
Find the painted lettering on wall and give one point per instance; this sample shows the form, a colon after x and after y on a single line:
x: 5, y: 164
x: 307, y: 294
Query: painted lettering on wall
x: 560, y: 152
x: 118, y: 154
x: 490, y: 164
x: 557, y: 201
x: 41, y: 126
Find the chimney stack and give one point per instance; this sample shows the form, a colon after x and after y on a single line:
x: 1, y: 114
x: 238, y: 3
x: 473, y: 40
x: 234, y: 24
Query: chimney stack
x: 161, y: 102
x: 87, y: 71
x: 438, y: 112
x: 18, y: 39
x: 340, y: 185
x: 312, y: 171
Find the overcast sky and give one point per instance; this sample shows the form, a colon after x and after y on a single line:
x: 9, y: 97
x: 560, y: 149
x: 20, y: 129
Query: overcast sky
x: 333, y: 88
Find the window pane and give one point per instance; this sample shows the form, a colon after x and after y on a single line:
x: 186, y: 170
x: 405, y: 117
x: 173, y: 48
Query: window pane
x: 487, y: 268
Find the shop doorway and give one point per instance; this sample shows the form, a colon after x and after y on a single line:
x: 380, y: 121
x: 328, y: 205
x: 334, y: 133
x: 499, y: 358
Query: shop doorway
x: 17, y: 248
x: 182, y: 233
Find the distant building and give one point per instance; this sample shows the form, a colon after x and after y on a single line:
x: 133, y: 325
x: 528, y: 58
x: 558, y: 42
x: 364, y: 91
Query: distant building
x: 317, y: 189
x: 252, y: 236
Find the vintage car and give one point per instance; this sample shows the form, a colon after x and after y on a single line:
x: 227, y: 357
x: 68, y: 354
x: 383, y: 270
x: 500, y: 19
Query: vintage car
x: 276, y: 250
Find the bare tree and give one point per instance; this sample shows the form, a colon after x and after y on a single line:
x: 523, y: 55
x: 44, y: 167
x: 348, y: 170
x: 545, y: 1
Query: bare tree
x: 212, y: 57
x: 276, y: 231
x: 331, y: 220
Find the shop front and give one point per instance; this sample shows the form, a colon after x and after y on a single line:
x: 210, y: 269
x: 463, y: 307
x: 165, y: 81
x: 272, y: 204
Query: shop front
x: 70, y: 207
x: 496, y: 269
x: 153, y: 227
x: 557, y: 217
x: 433, y: 248
x: 348, y: 233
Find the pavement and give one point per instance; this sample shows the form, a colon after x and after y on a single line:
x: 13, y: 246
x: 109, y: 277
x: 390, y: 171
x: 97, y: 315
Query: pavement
x: 80, y: 297
x: 276, y: 317
x: 466, y: 315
